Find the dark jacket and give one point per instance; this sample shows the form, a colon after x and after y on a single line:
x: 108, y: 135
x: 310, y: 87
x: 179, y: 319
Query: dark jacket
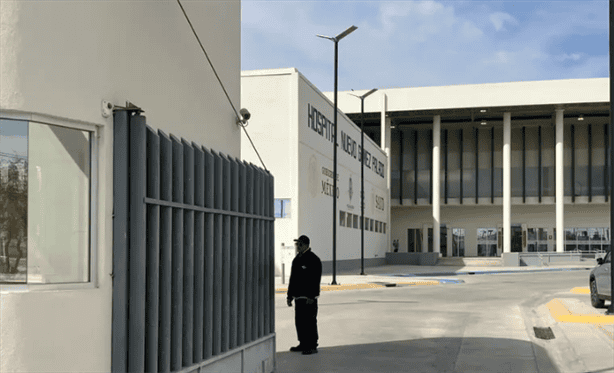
x: 305, y: 276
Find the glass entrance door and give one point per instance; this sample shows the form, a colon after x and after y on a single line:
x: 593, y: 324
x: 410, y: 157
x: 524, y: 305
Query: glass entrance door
x: 537, y: 240
x: 518, y: 240
x: 414, y: 240
x: 458, y: 241
x: 443, y: 238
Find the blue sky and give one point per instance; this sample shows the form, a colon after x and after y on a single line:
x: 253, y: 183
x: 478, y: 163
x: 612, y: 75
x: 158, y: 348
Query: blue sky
x: 428, y: 43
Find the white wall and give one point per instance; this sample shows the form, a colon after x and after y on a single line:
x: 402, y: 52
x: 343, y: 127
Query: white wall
x: 59, y: 61
x: 63, y: 58
x: 271, y: 97
x: 484, y: 95
x: 316, y: 153
x: 295, y: 154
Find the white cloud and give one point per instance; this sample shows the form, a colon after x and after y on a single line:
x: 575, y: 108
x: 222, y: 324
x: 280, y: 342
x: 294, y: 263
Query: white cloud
x: 498, y: 19
x: 418, y: 43
x: 565, y: 57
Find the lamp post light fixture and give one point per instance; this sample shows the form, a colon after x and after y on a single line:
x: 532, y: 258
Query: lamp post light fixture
x: 336, y: 39
x: 362, y: 179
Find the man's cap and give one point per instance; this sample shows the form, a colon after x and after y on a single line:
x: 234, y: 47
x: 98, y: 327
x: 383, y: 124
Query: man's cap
x: 302, y: 239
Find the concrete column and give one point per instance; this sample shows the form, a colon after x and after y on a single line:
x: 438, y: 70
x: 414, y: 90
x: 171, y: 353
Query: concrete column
x: 436, y: 168
x: 385, y: 144
x: 560, y: 183
x: 507, y: 182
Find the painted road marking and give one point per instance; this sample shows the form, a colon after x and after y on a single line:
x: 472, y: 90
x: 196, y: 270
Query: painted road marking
x: 607, y: 332
x: 363, y: 286
x: 562, y: 314
x: 581, y: 290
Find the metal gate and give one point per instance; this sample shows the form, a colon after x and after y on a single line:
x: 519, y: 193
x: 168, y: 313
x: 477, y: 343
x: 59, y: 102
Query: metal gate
x: 193, y: 239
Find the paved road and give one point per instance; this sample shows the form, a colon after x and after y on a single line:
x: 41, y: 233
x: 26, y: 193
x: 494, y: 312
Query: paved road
x: 482, y: 325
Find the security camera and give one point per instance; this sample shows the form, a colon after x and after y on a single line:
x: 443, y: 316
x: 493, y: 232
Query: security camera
x: 245, y: 114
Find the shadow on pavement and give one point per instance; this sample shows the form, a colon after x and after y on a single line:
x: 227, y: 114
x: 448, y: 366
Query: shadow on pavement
x: 424, y: 356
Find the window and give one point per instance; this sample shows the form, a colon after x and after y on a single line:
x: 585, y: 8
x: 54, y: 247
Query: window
x: 356, y: 221
x: 282, y: 208
x: 587, y: 239
x: 342, y: 218
x: 487, y: 241
x: 45, y: 203
x: 384, y: 227
x: 458, y: 242
x: 371, y: 225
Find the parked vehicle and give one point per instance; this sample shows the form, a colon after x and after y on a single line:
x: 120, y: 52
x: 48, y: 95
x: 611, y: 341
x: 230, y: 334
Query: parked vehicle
x: 600, y: 281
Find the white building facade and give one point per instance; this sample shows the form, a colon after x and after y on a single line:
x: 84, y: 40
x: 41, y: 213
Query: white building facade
x: 60, y: 62
x: 489, y: 169
x: 292, y: 129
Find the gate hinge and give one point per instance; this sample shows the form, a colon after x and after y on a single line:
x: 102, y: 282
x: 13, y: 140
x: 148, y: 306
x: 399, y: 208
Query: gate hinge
x: 129, y: 107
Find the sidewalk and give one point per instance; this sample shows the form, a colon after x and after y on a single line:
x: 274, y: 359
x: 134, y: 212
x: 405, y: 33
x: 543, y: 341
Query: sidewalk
x: 392, y: 275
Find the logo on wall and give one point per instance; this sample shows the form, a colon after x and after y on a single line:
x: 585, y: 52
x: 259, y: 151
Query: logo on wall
x: 351, y: 191
x: 313, y: 176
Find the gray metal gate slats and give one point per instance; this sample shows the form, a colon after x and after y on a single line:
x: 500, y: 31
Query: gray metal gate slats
x: 249, y: 238
x: 199, y: 252
x: 217, y: 253
x: 256, y: 250
x: 188, y: 255
x: 271, y: 253
x: 119, y: 338
x: 226, y: 255
x: 209, y: 254
x: 241, y: 254
x: 153, y: 252
x: 177, y: 258
x: 192, y: 251
x: 137, y: 252
x: 166, y: 269
x: 234, y: 262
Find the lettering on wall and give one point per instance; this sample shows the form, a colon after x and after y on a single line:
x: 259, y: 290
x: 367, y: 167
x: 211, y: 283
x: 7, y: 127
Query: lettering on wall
x: 325, y: 128
x: 327, y: 186
x: 319, y: 123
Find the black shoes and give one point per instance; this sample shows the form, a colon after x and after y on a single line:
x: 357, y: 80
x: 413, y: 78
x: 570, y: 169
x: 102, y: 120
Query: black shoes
x: 298, y: 348
x: 310, y: 351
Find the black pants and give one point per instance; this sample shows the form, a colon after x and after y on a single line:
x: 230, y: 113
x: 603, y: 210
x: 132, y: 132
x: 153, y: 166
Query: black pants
x: 306, y: 321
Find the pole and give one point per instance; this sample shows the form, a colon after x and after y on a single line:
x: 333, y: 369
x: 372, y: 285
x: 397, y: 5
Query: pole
x: 335, y: 176
x: 362, y: 186
x: 611, y: 308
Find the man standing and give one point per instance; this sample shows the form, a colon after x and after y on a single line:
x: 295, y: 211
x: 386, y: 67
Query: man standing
x: 304, y: 287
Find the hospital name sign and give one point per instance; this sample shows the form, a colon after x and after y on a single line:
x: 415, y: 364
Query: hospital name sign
x: 325, y: 128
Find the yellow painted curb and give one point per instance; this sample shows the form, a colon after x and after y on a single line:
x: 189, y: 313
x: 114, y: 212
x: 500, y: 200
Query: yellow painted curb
x: 561, y: 314
x: 581, y: 290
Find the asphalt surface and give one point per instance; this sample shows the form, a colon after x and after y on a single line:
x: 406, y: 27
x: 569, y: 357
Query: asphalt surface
x: 453, y: 321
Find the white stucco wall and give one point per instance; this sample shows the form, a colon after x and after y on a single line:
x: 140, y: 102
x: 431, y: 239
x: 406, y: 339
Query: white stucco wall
x: 59, y: 61
x: 315, y: 154
x: 271, y: 97
x: 279, y: 100
x: 62, y: 58
x: 484, y: 95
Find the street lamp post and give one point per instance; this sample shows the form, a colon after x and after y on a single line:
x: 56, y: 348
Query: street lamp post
x: 336, y: 39
x: 362, y: 179
x: 610, y: 310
